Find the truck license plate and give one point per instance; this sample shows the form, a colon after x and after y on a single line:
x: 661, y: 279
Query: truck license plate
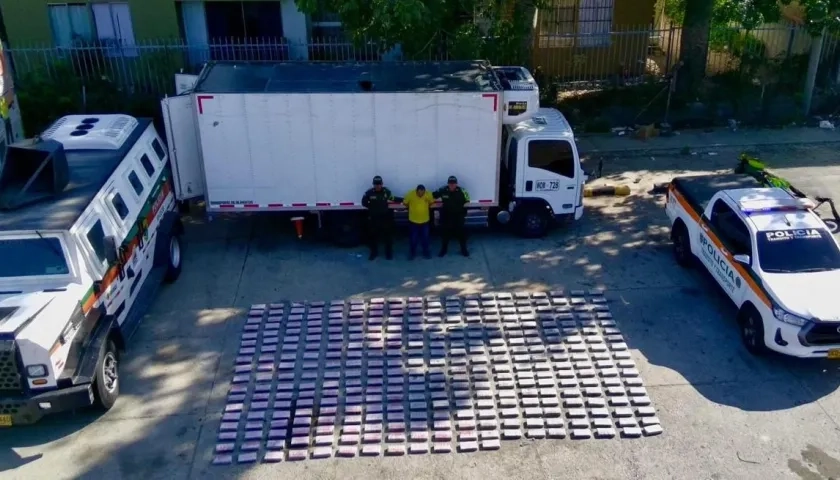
x: 5, y: 420
x: 834, y: 354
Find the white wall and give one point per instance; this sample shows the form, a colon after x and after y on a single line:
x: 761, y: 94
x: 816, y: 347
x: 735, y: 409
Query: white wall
x: 295, y: 30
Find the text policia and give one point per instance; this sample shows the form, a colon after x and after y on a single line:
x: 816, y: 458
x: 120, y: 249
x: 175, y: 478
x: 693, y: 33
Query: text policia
x: 781, y: 235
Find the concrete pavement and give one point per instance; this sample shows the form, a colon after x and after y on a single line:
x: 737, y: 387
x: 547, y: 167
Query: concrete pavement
x: 604, y: 145
x: 726, y: 414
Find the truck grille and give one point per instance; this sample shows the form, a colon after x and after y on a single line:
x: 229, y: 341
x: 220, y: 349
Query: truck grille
x: 823, y: 334
x: 11, y: 407
x: 9, y: 374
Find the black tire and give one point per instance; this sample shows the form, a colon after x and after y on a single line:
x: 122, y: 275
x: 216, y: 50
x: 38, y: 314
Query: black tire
x: 832, y: 226
x: 682, y: 246
x: 751, y: 328
x: 184, y: 207
x: 174, y: 259
x: 106, y: 383
x: 533, y: 223
x: 345, y: 229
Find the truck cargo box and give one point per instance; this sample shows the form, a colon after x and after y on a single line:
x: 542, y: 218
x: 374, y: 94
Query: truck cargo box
x: 303, y: 136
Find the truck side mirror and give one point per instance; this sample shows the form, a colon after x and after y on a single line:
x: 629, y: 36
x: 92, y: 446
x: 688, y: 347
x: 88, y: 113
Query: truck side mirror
x: 742, y: 259
x: 111, y: 254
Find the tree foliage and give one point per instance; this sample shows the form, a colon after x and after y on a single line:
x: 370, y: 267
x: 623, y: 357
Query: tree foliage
x: 430, y: 28
x: 750, y: 14
x: 726, y: 22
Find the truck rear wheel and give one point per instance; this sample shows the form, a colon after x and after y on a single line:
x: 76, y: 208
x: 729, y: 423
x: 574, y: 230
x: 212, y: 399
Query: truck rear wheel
x: 344, y: 229
x: 106, y: 384
x: 682, y: 246
x: 751, y: 327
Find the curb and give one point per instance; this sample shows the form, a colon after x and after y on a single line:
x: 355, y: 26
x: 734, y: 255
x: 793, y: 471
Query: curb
x: 607, y: 191
x: 644, y: 152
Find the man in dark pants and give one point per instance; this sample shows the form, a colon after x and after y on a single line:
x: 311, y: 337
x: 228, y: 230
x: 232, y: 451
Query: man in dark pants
x: 380, y: 217
x: 453, y: 214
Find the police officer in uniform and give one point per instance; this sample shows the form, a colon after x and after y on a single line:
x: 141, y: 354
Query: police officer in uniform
x: 453, y: 213
x: 380, y: 217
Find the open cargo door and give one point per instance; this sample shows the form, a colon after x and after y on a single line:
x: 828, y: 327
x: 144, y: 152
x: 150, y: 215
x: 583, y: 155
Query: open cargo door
x: 182, y: 139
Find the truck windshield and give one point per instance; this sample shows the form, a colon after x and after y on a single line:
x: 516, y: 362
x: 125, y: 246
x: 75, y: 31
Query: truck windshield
x: 797, y: 251
x: 30, y: 257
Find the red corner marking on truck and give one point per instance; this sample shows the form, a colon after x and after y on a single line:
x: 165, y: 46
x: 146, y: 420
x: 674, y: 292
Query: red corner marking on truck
x: 199, y: 99
x: 495, y: 98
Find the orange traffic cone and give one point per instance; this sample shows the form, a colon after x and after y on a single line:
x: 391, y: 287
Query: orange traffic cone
x: 298, y: 226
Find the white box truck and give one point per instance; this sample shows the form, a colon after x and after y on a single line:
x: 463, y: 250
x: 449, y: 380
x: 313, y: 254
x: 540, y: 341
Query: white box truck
x: 307, y: 138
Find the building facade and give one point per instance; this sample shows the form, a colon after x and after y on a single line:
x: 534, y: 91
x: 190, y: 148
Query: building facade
x: 130, y: 22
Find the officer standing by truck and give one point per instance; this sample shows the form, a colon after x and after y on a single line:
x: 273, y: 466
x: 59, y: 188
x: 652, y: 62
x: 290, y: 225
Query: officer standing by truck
x: 453, y: 214
x: 380, y: 217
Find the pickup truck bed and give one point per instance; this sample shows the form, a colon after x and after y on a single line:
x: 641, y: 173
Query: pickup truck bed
x: 698, y: 190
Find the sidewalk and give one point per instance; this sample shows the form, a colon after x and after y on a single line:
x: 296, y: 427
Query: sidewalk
x: 698, y: 140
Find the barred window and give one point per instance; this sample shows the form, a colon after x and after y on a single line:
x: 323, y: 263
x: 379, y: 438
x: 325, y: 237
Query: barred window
x: 581, y: 23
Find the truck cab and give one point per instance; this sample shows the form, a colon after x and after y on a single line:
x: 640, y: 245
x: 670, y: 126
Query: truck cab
x: 542, y: 178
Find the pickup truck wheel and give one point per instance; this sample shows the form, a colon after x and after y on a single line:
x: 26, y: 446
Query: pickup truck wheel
x: 752, y: 331
x: 533, y: 223
x: 106, y: 384
x: 682, y: 246
x: 173, y: 264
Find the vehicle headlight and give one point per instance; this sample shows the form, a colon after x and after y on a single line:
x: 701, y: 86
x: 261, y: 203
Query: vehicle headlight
x: 36, y: 371
x: 789, y: 318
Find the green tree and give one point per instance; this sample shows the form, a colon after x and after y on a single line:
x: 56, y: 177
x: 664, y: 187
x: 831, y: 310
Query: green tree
x: 701, y: 19
x: 500, y: 30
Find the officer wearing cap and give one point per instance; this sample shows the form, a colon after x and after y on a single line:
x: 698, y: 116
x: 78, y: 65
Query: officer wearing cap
x: 380, y: 217
x: 453, y: 214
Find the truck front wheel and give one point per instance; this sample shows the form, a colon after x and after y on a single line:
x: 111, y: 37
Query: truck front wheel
x: 681, y: 245
x: 533, y: 223
x: 106, y: 384
x: 752, y: 330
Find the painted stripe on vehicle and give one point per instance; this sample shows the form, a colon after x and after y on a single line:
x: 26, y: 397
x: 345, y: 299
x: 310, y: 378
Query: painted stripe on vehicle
x: 752, y: 281
x: 325, y: 204
x: 132, y: 241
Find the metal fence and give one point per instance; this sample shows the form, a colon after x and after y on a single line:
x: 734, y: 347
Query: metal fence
x: 572, y: 58
x: 148, y: 66
x: 576, y: 60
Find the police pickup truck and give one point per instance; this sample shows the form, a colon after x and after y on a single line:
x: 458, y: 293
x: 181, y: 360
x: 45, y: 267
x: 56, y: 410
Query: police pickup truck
x: 88, y: 229
x: 771, y: 254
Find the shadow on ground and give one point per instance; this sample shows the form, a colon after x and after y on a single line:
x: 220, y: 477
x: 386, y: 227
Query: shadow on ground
x: 176, y: 373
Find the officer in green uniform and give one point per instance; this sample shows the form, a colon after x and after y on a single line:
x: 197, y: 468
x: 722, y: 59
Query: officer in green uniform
x: 380, y: 217
x: 453, y: 214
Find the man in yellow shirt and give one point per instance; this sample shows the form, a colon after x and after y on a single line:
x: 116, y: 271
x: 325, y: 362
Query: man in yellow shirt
x: 418, y: 202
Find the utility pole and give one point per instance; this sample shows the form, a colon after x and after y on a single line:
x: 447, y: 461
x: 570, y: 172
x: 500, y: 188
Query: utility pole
x: 813, y: 66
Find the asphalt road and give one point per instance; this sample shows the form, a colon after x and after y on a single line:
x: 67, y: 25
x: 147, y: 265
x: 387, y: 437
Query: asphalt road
x: 725, y: 414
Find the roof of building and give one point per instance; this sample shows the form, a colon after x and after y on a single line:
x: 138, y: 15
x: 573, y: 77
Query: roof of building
x: 546, y: 120
x: 89, y: 170
x: 310, y: 77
